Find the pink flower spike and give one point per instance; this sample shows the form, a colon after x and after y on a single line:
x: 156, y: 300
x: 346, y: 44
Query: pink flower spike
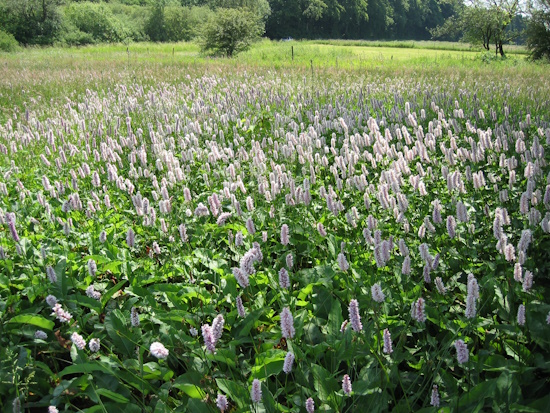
x: 346, y: 385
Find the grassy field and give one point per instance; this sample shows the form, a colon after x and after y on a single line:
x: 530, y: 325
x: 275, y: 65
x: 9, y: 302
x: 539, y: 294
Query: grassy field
x: 421, y: 44
x: 360, y: 227
x: 53, y: 73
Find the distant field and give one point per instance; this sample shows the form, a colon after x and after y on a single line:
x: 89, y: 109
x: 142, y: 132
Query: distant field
x: 421, y: 44
x: 59, y: 72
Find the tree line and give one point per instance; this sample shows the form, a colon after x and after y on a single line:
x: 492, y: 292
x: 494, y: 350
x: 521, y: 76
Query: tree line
x: 81, y: 22
x: 489, y: 23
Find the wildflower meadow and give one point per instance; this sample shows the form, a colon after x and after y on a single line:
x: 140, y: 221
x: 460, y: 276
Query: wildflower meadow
x: 224, y: 237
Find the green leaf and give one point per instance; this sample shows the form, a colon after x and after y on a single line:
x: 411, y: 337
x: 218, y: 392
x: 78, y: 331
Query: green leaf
x: 119, y: 332
x: 363, y: 387
x: 113, y: 407
x: 88, y: 302
x: 335, y: 318
x: 235, y: 391
x: 33, y: 319
x: 243, y: 329
x: 107, y: 296
x: 323, y: 382
x: 112, y: 267
x: 113, y: 396
x: 84, y: 368
x: 226, y: 356
x: 268, y: 364
x: 191, y: 390
x: 304, y: 292
x: 332, y: 245
x: 477, y: 395
x: 61, y: 287
x: 197, y: 406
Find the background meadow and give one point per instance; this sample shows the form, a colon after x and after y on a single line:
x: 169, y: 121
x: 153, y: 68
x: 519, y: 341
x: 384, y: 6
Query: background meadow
x: 332, y: 232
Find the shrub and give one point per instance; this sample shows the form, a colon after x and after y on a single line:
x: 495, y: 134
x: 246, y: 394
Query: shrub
x: 72, y: 36
x: 183, y: 23
x: 96, y: 20
x: 231, y: 31
x: 8, y: 42
x: 133, y: 18
x: 178, y: 24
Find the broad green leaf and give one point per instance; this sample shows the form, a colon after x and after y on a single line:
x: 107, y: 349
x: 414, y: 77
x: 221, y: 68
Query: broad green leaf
x: 107, y: 296
x: 474, y: 399
x: 114, y: 407
x: 197, y: 406
x: 117, y: 328
x: 324, y: 383
x: 304, y: 292
x: 363, y: 387
x: 235, y: 391
x: 99, y: 259
x: 335, y: 318
x: 268, y: 364
x: 33, y: 319
x: 88, y: 302
x: 112, y: 266
x: 84, y: 368
x: 112, y: 395
x: 223, y: 355
x: 243, y: 328
x: 191, y: 390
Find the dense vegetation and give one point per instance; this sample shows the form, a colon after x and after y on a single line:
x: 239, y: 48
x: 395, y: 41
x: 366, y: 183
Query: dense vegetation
x: 491, y: 25
x: 330, y: 233
x: 81, y: 22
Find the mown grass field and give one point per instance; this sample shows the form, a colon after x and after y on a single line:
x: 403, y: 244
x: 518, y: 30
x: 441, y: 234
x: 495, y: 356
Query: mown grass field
x: 358, y: 228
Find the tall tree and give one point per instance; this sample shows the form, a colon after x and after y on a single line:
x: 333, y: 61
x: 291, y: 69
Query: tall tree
x: 353, y: 16
x: 538, y: 30
x: 31, y: 21
x: 483, y: 23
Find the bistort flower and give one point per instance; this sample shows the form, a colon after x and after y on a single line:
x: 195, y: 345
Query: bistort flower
x: 287, y: 323
x: 256, y: 391
x: 158, y: 350
x: 346, y: 385
x: 354, y: 316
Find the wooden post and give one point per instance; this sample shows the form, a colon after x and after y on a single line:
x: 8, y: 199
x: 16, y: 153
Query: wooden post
x: 311, y: 63
x: 173, y: 51
x: 292, y: 49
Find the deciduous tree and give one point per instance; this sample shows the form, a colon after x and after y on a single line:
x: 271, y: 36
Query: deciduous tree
x: 231, y: 31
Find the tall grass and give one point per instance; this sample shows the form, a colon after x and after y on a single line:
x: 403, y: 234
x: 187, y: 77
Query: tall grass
x: 421, y: 44
x: 56, y: 73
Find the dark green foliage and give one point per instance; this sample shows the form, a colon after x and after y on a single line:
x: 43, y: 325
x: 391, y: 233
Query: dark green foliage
x: 178, y: 24
x: 31, y: 21
x: 356, y: 19
x: 93, y: 23
x: 156, y: 25
x: 184, y: 23
x: 44, y: 22
x: 174, y: 23
x: 231, y: 31
x: 489, y: 25
x: 538, y: 32
x: 133, y: 17
x: 8, y: 42
x: 260, y: 7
